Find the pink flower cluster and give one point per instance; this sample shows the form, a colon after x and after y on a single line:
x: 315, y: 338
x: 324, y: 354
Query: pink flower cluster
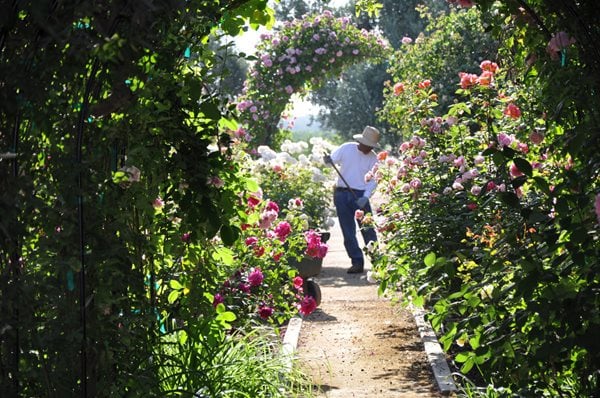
x: 488, y: 69
x: 510, y: 141
x: 314, y: 247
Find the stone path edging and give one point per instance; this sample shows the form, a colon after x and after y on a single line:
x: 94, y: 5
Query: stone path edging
x: 290, y: 341
x: 435, y: 354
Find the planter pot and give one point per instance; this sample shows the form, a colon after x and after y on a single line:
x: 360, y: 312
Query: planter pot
x: 310, y: 266
x: 307, y: 266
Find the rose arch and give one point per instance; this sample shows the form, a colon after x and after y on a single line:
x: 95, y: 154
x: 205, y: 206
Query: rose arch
x: 298, y: 58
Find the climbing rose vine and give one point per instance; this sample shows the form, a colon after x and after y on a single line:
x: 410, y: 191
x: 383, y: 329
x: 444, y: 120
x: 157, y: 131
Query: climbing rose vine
x: 300, y: 56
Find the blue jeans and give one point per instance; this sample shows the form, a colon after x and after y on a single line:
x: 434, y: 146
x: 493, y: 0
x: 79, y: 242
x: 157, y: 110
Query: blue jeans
x: 345, y: 204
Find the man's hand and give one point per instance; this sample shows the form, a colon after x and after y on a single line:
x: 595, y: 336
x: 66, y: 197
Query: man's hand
x: 362, y: 202
x: 327, y: 159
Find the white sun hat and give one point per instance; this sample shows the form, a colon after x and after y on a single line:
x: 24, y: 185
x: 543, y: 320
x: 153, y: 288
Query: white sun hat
x: 369, y: 137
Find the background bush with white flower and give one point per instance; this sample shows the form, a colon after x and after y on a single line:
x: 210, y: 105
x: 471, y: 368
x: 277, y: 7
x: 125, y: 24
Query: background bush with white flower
x: 297, y: 172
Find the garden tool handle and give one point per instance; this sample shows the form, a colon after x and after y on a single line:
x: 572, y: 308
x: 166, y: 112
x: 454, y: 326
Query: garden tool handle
x: 342, y: 177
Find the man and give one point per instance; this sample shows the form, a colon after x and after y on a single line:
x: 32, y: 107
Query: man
x: 352, y: 192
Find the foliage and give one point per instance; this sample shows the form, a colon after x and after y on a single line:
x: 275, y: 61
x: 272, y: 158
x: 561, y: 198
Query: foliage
x: 480, y: 224
x: 117, y: 179
x: 239, y: 365
x: 298, y: 172
x: 300, y: 56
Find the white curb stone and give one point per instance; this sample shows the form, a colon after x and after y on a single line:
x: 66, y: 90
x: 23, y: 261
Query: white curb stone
x: 435, y: 354
x: 290, y: 341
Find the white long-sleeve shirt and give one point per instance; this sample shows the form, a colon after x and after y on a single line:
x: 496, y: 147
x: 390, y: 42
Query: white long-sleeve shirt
x: 354, y: 165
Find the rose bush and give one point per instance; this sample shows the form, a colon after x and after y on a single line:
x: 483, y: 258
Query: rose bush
x: 260, y: 285
x: 475, y: 225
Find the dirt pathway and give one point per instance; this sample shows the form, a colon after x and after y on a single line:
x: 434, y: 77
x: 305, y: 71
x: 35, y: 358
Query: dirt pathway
x: 357, y: 344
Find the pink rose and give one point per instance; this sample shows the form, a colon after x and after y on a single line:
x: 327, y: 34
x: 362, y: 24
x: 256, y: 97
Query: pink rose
x: 416, y: 183
x: 256, y: 277
x: 467, y: 80
x: 218, y: 299
x: 298, y: 282
x: 536, y: 137
x: 265, y: 312
x: 514, y: 171
x: 251, y: 240
x: 512, y: 111
x: 307, y: 305
x: 273, y: 206
x: 398, y: 88
x: 485, y: 79
x: 282, y: 230
x: 488, y: 66
x: 505, y: 140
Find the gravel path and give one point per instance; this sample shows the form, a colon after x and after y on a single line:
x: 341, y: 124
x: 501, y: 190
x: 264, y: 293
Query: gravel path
x: 357, y: 344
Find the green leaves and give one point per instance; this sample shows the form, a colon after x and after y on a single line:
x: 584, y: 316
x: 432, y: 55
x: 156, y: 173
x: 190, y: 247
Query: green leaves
x: 524, y: 166
x: 472, y: 358
x: 429, y: 259
x: 229, y: 234
x: 371, y: 7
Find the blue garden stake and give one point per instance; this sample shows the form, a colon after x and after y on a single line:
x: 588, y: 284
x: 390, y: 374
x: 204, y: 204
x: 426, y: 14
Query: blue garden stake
x: 70, y: 281
x: 187, y: 53
x: 563, y: 57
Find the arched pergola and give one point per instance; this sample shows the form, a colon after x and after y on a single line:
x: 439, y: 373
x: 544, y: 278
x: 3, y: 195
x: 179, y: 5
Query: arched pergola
x: 298, y: 58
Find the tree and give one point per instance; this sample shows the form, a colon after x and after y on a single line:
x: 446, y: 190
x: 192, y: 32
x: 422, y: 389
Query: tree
x: 349, y: 102
x: 230, y: 68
